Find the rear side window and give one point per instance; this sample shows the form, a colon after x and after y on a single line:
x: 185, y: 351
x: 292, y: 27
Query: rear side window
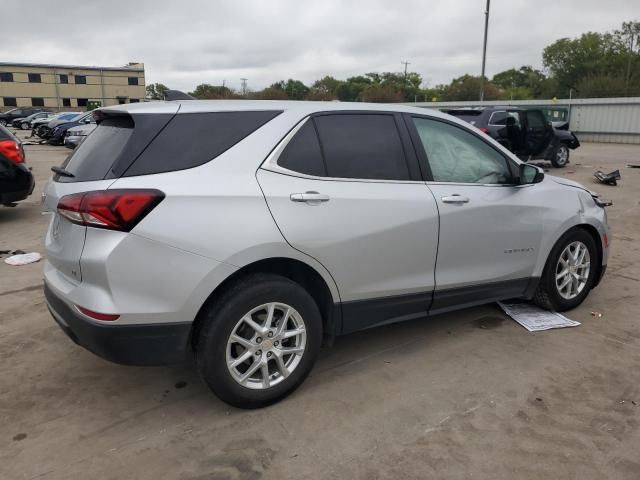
x: 93, y: 158
x: 192, y: 139
x: 302, y: 154
x: 362, y: 146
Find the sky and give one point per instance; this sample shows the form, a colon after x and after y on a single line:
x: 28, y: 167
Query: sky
x: 188, y: 42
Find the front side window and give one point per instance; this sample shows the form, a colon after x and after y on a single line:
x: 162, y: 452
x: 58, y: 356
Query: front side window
x: 535, y: 119
x: 456, y: 155
x: 362, y: 146
x: 34, y: 78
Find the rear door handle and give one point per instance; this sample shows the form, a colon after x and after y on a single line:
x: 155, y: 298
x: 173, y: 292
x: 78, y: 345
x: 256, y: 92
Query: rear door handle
x: 455, y: 198
x: 312, y: 198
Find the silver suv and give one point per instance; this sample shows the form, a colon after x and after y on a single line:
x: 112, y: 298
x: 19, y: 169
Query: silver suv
x: 241, y: 233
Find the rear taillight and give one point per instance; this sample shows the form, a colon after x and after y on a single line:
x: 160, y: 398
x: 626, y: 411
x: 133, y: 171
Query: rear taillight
x: 12, y: 151
x: 111, y: 209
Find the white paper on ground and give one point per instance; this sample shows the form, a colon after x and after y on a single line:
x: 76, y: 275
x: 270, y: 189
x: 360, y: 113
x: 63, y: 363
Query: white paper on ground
x: 534, y: 318
x: 23, y: 259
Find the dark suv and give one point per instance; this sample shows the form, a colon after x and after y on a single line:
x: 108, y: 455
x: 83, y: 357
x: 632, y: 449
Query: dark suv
x: 16, y: 180
x: 526, y: 132
x: 7, y: 118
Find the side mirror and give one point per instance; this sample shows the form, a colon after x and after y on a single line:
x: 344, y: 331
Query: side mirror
x: 530, y: 174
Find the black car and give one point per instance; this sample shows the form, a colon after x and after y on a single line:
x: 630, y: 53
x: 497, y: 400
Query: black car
x: 57, y: 134
x: 8, y: 117
x: 16, y: 180
x: 526, y: 132
x: 24, y: 123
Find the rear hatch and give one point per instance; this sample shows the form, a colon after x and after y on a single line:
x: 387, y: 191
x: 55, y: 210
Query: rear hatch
x: 126, y: 143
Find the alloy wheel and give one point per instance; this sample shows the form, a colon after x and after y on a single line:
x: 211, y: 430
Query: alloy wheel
x: 266, y: 345
x: 572, y: 270
x: 562, y: 155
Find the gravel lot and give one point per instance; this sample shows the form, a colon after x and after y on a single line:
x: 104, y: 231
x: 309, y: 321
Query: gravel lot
x: 464, y: 395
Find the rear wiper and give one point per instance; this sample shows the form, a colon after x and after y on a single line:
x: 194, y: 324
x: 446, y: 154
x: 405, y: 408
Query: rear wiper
x: 62, y: 171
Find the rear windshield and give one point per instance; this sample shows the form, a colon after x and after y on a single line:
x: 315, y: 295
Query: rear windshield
x: 154, y: 143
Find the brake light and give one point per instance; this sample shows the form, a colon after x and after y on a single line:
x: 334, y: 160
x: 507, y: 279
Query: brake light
x: 11, y: 150
x: 110, y: 209
x: 483, y: 130
x: 105, y: 317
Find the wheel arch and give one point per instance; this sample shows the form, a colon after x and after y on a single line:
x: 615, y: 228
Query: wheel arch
x: 296, y: 270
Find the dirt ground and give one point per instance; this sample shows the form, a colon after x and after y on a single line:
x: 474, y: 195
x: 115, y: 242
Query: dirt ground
x: 464, y: 395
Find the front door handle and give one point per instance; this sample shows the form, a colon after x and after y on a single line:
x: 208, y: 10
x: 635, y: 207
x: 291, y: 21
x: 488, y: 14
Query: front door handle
x: 311, y: 198
x: 455, y: 198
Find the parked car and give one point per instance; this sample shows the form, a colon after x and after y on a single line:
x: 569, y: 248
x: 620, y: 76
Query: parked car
x: 25, y: 123
x: 16, y: 180
x: 57, y: 133
x: 75, y: 135
x: 242, y: 232
x: 42, y: 127
x: 7, y: 117
x: 526, y: 132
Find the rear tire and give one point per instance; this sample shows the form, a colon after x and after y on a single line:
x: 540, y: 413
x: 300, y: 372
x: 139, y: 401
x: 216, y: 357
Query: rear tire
x: 226, y: 337
x: 560, y: 156
x: 3, y: 123
x: 24, y: 126
x: 558, y: 270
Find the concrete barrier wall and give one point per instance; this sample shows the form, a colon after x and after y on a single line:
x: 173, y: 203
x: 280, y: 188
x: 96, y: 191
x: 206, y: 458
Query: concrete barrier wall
x: 608, y: 120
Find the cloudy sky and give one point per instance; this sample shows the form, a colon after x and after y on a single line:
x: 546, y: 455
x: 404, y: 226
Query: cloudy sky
x: 187, y: 42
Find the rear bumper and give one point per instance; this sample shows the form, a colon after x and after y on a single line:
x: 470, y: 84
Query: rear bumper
x: 144, y: 344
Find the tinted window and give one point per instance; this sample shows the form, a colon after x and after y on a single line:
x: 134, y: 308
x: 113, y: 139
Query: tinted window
x: 302, y: 154
x: 192, y: 139
x: 93, y: 158
x: 456, y: 155
x: 535, y: 119
x: 362, y: 146
x: 64, y: 78
x: 133, y: 80
x: 81, y: 79
x: 9, y: 101
x: 498, y: 118
x: 37, y: 102
x: 6, y: 77
x: 34, y: 78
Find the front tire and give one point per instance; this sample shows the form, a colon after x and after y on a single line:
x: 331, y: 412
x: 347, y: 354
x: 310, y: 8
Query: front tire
x: 3, y: 123
x: 258, y: 341
x: 569, y: 273
x: 24, y: 126
x: 560, y: 157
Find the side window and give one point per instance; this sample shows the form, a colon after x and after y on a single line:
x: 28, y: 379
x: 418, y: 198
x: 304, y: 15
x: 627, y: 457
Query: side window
x: 302, y: 154
x: 363, y: 146
x: 456, y: 155
x: 498, y: 118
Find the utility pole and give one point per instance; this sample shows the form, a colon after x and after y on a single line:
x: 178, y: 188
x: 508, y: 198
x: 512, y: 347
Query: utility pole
x: 244, y: 86
x: 484, y: 50
x: 224, y: 91
x: 405, y: 68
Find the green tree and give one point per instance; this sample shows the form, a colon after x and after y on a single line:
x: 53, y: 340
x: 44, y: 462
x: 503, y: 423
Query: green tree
x: 467, y: 87
x: 324, y: 89
x: 205, y: 91
x: 156, y: 91
x: 629, y: 36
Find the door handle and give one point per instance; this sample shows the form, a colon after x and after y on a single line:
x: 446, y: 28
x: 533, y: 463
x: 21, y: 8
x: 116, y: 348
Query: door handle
x: 455, y: 198
x: 311, y: 198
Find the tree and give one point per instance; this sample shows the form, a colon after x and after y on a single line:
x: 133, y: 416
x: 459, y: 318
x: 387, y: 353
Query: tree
x: 205, y: 91
x: 629, y: 36
x: 467, y: 87
x: 382, y: 94
x: 324, y: 89
x: 270, y: 93
x: 156, y: 91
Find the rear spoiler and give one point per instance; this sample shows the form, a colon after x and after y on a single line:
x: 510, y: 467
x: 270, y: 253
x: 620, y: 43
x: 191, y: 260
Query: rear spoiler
x: 177, y: 95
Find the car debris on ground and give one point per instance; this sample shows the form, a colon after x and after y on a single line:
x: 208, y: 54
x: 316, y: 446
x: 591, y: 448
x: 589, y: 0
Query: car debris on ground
x: 534, y: 318
x: 23, y: 259
x: 610, y: 178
